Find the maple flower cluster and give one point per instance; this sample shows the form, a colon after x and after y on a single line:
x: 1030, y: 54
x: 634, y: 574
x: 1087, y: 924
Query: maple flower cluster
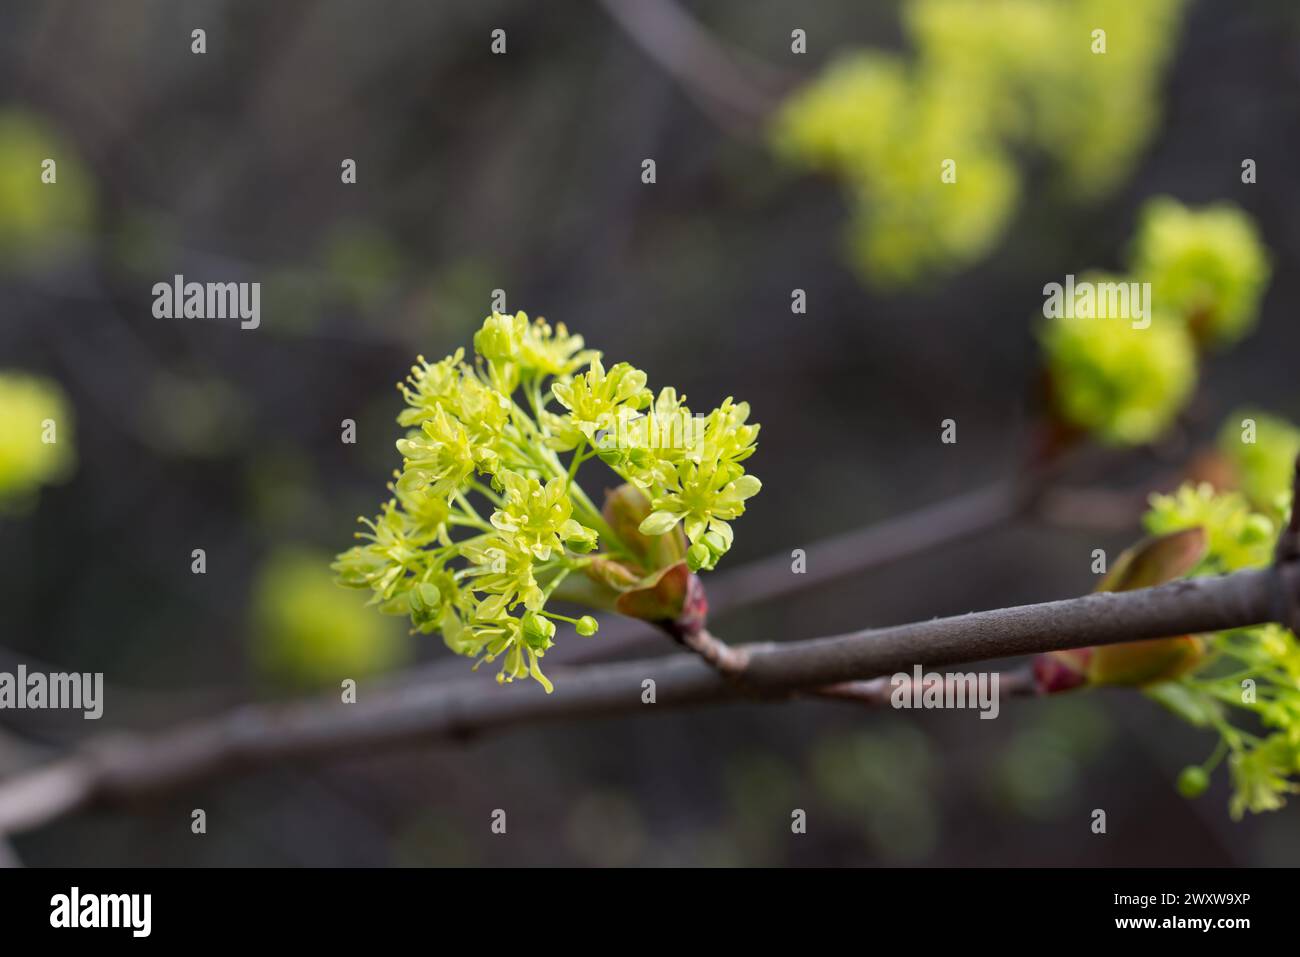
x: 1246, y: 671
x: 927, y: 144
x: 487, y: 523
x: 1125, y: 383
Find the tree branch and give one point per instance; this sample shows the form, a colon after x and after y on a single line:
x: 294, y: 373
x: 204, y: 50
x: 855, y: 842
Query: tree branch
x: 877, y: 692
x: 123, y: 768
x: 707, y: 71
x: 874, y: 546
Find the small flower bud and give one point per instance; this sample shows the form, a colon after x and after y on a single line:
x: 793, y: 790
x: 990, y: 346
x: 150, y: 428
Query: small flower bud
x: 1193, y: 781
x: 698, y: 556
x: 1258, y: 529
x: 500, y: 338
x: 538, y: 631
x: 429, y: 596
x: 423, y: 603
x: 626, y: 507
x: 587, y: 626
x: 578, y: 537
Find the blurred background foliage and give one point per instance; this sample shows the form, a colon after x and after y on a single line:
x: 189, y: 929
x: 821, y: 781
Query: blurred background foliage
x: 1122, y: 355
x: 521, y: 173
x: 308, y: 631
x: 37, y: 445
x: 987, y: 85
x: 40, y: 224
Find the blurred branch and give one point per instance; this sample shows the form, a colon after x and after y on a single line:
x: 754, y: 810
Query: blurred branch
x: 873, y: 546
x: 878, y: 692
x: 735, y: 97
x: 128, y: 767
x: 1102, y: 509
x: 1093, y: 509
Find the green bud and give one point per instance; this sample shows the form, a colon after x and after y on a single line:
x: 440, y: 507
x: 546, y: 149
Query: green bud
x: 626, y: 507
x: 538, y: 631
x: 579, y: 537
x: 425, y: 597
x: 613, y: 457
x: 715, y: 542
x: 640, y: 458
x: 1193, y: 781
x: 587, y: 626
x: 500, y: 338
x: 1259, y: 528
x: 698, y: 556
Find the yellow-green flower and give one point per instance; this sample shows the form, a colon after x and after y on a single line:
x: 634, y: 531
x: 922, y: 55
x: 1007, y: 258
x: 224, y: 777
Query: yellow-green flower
x: 501, y: 337
x: 393, y: 551
x: 595, y: 400
x: 553, y: 352
x: 430, y: 387
x: 537, y: 517
x: 505, y: 572
x: 442, y: 458
x: 703, y: 485
x: 703, y: 498
x: 519, y: 642
x: 1237, y: 537
x: 642, y: 446
x: 1123, y: 384
x: 727, y: 437
x: 1260, y: 775
x: 1262, y: 449
x: 1207, y: 266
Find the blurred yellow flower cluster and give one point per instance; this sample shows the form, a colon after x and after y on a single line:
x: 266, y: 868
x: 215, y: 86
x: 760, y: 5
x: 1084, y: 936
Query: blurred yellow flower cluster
x: 308, y: 632
x: 1207, y: 266
x: 36, y: 437
x: 47, y: 208
x: 1261, y: 449
x: 1125, y: 382
x: 990, y: 80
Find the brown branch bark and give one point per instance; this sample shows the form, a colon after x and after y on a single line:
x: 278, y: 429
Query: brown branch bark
x: 719, y: 654
x: 877, y: 692
x: 132, y: 767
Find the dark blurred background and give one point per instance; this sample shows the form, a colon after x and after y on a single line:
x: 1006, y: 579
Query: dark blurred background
x: 522, y: 173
